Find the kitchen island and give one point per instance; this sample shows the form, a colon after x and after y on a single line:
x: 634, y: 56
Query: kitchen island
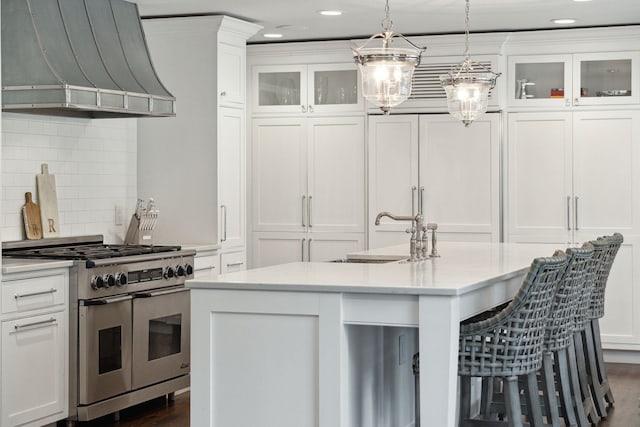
x: 330, y: 344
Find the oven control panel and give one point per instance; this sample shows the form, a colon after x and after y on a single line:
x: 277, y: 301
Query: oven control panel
x: 122, y: 278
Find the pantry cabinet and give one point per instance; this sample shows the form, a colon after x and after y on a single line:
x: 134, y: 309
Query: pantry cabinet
x: 435, y: 164
x: 34, y: 347
x: 571, y: 178
x: 308, y: 176
x: 566, y: 80
x: 306, y: 89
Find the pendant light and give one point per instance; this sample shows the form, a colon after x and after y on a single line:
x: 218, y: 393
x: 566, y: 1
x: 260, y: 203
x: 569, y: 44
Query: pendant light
x: 468, y: 84
x: 386, y: 71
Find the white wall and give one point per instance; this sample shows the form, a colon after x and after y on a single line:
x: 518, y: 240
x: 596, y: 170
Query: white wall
x: 94, y: 162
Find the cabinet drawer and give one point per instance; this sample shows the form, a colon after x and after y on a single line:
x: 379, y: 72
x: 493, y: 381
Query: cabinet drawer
x: 206, y: 266
x: 234, y: 261
x: 33, y: 293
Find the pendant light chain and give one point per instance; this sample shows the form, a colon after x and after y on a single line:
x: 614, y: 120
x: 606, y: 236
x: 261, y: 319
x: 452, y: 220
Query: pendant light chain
x: 387, y: 23
x: 466, y: 31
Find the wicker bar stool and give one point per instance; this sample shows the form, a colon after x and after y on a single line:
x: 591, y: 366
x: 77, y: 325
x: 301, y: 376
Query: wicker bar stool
x: 555, y: 375
x: 601, y: 392
x: 509, y: 344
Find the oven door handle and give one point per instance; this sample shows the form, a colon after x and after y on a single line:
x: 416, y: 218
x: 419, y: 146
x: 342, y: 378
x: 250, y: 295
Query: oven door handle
x: 160, y: 292
x: 107, y: 300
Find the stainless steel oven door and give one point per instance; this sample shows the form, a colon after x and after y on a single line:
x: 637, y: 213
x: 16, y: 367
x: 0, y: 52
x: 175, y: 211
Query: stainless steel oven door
x: 104, y: 348
x: 161, y: 335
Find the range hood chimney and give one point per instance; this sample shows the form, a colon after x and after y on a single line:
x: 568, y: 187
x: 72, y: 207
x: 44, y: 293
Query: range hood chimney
x: 84, y: 58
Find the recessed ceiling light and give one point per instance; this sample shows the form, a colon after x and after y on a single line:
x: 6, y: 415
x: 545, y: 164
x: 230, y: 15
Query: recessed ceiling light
x: 330, y: 12
x: 272, y: 35
x: 563, y: 21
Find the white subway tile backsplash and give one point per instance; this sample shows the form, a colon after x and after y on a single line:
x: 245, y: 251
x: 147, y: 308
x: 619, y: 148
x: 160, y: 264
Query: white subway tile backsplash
x: 94, y: 162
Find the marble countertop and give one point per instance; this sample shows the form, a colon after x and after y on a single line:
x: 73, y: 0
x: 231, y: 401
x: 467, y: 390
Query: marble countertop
x: 21, y: 265
x: 462, y: 268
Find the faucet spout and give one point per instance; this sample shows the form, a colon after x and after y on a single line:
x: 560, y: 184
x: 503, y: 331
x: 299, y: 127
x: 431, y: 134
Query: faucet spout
x: 393, y: 217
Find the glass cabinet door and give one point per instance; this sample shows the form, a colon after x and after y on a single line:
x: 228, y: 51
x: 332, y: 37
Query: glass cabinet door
x: 539, y: 80
x: 605, y: 78
x: 334, y: 87
x: 280, y: 88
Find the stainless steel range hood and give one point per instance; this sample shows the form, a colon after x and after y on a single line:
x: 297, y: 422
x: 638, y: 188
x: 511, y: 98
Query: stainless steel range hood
x: 86, y: 58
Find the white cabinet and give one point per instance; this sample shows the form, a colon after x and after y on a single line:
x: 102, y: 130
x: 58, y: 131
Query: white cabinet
x: 233, y: 261
x: 34, y: 348
x: 193, y: 164
x: 308, y: 176
x: 571, y: 178
x: 206, y: 264
x: 434, y: 160
x: 301, y: 88
x: 573, y: 80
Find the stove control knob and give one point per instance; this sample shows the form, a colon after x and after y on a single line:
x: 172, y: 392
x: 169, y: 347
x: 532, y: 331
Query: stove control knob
x: 180, y: 271
x: 168, y: 273
x: 97, y: 282
x: 109, y: 280
x: 121, y: 279
x: 189, y: 269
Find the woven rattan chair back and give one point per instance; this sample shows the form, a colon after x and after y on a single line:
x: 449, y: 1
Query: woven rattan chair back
x: 608, y: 247
x: 561, y: 323
x: 510, y: 343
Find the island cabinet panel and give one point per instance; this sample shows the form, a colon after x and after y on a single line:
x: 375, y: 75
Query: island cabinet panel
x: 432, y: 163
x: 307, y: 188
x: 572, y: 177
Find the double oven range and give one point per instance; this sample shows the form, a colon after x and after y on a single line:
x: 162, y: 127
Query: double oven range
x: 129, y: 337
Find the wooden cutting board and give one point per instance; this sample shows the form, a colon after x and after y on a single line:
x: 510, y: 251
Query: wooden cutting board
x: 31, y: 215
x: 48, y: 200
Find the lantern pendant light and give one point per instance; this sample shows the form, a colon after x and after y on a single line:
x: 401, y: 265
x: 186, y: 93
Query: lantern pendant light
x: 387, y: 72
x: 468, y: 84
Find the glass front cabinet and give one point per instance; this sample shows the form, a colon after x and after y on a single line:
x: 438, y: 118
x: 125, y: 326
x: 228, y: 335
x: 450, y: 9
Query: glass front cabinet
x: 318, y: 88
x: 573, y: 80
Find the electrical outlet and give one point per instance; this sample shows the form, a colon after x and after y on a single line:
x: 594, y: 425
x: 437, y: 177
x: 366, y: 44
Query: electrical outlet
x: 118, y: 215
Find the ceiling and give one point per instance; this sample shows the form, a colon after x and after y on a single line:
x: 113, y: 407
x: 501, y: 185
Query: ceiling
x: 299, y: 19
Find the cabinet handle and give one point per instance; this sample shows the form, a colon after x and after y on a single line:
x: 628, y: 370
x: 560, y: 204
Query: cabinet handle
x: 303, y: 206
x: 311, y: 108
x: 413, y: 200
x: 42, y: 323
x: 568, y: 213
x: 309, y: 250
x: 304, y: 109
x: 235, y: 264
x: 223, y: 208
x: 223, y: 93
x: 302, y: 250
x: 33, y: 294
x: 421, y: 201
x: 575, y: 212
x: 309, y: 212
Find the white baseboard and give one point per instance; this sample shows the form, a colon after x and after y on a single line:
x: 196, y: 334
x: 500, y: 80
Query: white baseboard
x: 621, y: 356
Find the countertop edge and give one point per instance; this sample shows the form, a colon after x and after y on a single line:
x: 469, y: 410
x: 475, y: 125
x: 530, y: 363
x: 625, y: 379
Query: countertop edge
x: 22, y: 265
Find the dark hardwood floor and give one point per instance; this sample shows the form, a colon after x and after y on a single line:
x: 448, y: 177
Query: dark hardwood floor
x: 624, y: 379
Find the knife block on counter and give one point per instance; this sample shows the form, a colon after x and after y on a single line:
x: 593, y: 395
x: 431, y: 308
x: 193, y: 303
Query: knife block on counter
x: 138, y: 235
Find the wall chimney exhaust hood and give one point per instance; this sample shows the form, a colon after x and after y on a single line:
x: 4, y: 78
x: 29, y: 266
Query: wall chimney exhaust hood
x: 84, y: 58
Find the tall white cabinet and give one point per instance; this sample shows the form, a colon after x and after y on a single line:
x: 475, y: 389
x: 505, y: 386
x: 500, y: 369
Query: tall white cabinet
x: 571, y: 177
x: 194, y: 164
x: 434, y: 161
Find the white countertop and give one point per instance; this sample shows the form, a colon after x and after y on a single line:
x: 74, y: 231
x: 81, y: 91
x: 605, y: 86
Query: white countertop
x: 462, y: 267
x: 21, y: 265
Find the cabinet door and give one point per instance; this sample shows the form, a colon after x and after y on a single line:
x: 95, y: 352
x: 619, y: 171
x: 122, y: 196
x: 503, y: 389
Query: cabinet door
x: 336, y: 195
x: 231, y: 77
x: 393, y: 174
x: 620, y: 326
x: 278, y: 248
x: 606, y: 167
x: 34, y: 369
x: 460, y: 173
x: 231, y: 178
x: 279, y: 174
x: 538, y: 187
x: 606, y: 78
x: 279, y: 89
x: 539, y: 80
x: 334, y: 88
x: 322, y: 247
